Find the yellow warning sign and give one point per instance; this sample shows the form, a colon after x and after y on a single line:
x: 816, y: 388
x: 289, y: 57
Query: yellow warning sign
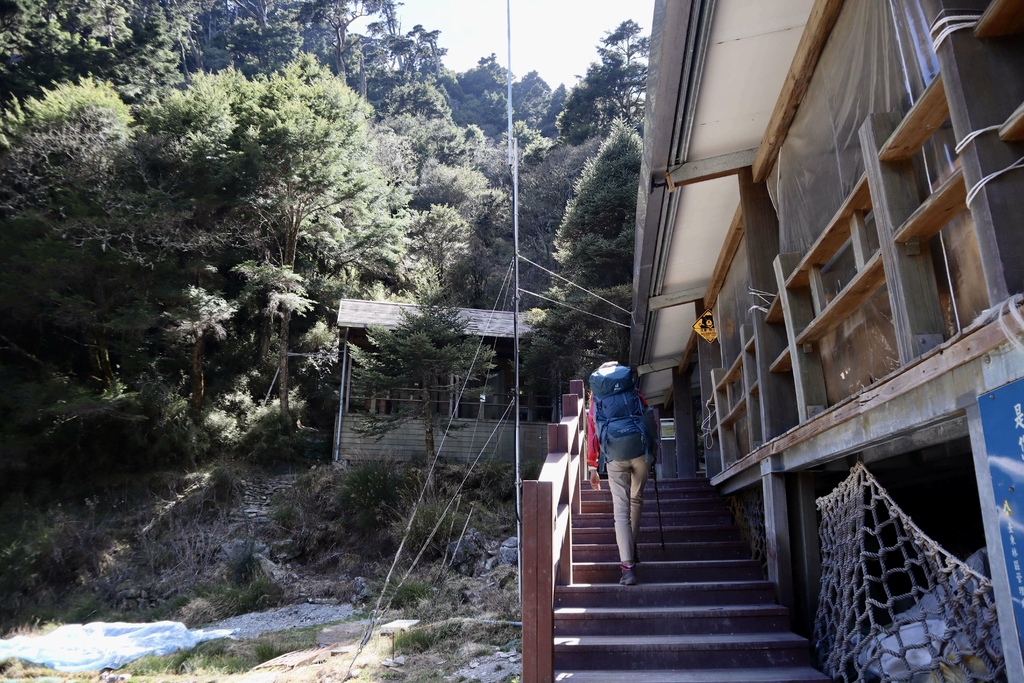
x: 705, y: 326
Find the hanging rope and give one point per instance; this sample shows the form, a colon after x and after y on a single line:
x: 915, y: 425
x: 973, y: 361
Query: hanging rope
x: 946, y: 26
x: 578, y: 310
x: 706, y: 426
x: 895, y: 605
x: 583, y: 289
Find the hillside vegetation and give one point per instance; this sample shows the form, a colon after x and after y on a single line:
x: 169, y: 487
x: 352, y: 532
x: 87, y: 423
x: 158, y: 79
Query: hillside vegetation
x: 186, y: 191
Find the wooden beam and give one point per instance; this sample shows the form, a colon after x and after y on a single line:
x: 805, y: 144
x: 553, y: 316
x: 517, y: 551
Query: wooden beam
x: 909, y: 274
x: 726, y: 435
x: 709, y: 355
x: 774, y: 311
x: 1002, y: 18
x: 676, y: 298
x: 657, y: 366
x: 924, y: 118
x: 860, y: 289
x: 725, y: 257
x: 751, y: 390
x: 976, y: 103
x: 709, y: 169
x: 948, y: 199
x: 1013, y: 129
x: 776, y: 529
x: 730, y: 375
x: 970, y: 345
x: 808, y: 380
x: 776, y: 393
x: 812, y: 42
x: 761, y: 230
x: 834, y: 236
x: 783, y: 362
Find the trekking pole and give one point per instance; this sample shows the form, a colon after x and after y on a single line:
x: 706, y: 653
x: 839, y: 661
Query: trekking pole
x: 657, y: 504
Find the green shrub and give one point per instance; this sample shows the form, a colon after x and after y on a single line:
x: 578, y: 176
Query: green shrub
x: 228, y: 600
x: 443, y: 636
x: 410, y: 593
x: 432, y: 528
x: 368, y: 496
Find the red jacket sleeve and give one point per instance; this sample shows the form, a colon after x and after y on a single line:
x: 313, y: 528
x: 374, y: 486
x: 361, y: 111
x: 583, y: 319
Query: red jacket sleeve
x: 593, y: 451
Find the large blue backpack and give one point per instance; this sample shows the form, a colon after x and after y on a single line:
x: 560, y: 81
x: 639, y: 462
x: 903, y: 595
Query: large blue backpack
x: 624, y: 428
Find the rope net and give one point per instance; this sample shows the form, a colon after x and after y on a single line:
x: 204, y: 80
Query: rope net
x: 894, y: 605
x: 747, y: 509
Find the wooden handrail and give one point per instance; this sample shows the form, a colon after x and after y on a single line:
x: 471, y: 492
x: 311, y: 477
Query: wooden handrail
x: 547, y: 534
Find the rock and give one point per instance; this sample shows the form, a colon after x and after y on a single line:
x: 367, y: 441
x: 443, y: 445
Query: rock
x: 286, y: 550
x: 237, y: 548
x: 400, y: 660
x: 468, y: 552
x: 360, y: 588
x: 509, y: 552
x: 270, y: 569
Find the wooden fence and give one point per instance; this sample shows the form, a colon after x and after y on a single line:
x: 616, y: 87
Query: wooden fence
x: 547, y: 533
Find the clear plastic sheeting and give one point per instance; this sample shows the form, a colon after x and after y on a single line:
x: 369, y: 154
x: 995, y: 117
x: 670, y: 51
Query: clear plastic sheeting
x: 895, y: 605
x: 97, y: 646
x: 734, y: 302
x: 861, y: 71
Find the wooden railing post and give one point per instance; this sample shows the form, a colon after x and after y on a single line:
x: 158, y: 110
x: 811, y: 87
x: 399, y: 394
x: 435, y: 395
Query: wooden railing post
x: 538, y: 584
x: 546, y: 509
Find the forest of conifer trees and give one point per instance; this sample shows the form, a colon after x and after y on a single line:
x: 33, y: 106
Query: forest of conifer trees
x: 188, y: 187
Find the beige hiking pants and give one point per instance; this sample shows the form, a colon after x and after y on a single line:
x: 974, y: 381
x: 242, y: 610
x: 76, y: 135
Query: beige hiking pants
x: 626, y: 480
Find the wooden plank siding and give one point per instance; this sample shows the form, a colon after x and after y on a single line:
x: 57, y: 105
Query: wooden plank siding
x: 461, y: 444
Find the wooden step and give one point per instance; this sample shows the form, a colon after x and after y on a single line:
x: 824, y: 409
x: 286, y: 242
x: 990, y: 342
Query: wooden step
x: 649, y: 493
x: 604, y: 506
x: 675, y: 620
x: 651, y: 517
x: 662, y: 572
x: 653, y: 552
x: 768, y: 675
x: 758, y: 592
x: 733, y: 651
x: 650, y: 533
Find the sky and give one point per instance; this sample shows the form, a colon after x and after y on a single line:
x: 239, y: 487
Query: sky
x: 556, y: 38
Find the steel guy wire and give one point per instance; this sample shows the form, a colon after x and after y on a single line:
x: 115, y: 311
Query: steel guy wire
x: 598, y: 296
x: 579, y: 310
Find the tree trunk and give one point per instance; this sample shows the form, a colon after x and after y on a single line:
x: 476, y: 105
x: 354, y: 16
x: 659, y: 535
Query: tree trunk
x: 101, y: 359
x: 282, y: 364
x: 339, y: 53
x: 265, y: 334
x: 198, y: 381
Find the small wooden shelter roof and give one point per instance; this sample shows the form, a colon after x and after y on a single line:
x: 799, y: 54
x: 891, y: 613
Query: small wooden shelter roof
x: 358, y: 313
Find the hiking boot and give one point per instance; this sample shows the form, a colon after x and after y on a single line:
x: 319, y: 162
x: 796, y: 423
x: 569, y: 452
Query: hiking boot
x: 628, y: 577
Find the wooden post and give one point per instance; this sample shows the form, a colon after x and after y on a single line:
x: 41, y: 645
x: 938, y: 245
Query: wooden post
x: 776, y: 394
x: 994, y: 543
x: 913, y: 293
x: 776, y: 525
x: 808, y: 379
x: 748, y: 372
x: 726, y: 436
x: 709, y: 356
x: 984, y: 87
x: 538, y: 584
x: 806, y: 551
x: 682, y: 413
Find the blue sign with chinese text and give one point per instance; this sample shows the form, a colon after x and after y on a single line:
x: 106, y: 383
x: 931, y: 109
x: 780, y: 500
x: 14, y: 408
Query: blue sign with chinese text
x: 1002, y: 420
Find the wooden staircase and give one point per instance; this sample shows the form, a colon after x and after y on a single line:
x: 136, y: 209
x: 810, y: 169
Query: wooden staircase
x: 702, y: 612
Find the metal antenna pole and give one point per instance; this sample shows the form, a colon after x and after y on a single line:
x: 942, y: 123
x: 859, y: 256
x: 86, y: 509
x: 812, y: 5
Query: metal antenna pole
x: 513, y: 162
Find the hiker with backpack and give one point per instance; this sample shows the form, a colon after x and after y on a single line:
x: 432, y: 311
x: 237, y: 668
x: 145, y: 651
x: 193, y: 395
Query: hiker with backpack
x: 621, y: 435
